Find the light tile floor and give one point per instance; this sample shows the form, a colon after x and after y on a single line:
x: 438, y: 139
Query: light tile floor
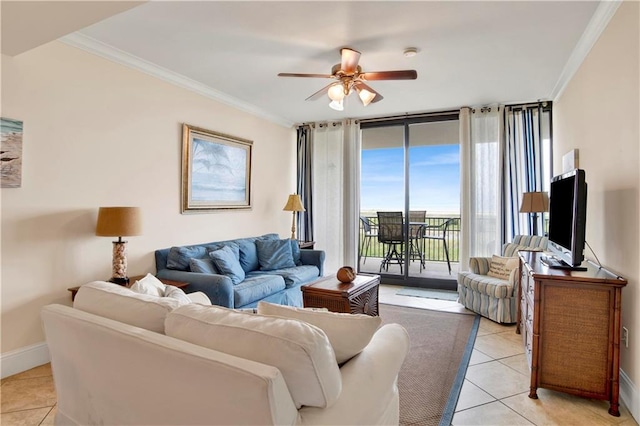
x: 494, y: 392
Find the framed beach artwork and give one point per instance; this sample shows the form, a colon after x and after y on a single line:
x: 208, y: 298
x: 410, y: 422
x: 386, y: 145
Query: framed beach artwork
x: 11, y: 153
x: 216, y: 171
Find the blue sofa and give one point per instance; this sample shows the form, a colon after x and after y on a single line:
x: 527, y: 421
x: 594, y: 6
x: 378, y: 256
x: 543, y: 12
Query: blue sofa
x: 240, y: 273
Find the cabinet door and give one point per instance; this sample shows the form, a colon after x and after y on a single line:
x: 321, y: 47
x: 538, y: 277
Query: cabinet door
x: 575, y: 327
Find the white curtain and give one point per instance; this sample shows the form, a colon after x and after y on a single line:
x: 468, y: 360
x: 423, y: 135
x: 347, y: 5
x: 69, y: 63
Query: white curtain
x: 336, y: 171
x: 481, y: 146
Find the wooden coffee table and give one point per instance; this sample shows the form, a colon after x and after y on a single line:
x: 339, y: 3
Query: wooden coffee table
x: 357, y: 297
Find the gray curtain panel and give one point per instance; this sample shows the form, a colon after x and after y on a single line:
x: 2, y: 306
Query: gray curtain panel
x: 305, y: 183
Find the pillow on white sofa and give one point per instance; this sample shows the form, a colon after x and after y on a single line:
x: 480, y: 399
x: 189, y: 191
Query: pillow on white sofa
x: 173, y: 292
x: 122, y: 304
x: 299, y: 350
x: 149, y: 285
x: 348, y: 334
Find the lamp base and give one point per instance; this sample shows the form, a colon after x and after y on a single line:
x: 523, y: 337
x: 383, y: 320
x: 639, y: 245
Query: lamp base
x: 120, y: 281
x: 293, y: 227
x: 119, y: 263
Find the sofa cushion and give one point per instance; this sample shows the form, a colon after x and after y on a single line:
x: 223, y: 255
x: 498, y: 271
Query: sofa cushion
x: 121, y: 304
x: 256, y: 287
x: 149, y: 285
x: 295, y: 252
x: 203, y: 266
x: 274, y: 254
x: 494, y: 287
x: 295, y: 276
x: 248, y: 255
x: 300, y: 351
x: 228, y: 263
x: 501, y: 267
x: 179, y: 257
x: 348, y: 334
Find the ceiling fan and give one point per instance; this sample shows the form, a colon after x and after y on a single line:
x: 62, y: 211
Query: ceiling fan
x: 350, y: 78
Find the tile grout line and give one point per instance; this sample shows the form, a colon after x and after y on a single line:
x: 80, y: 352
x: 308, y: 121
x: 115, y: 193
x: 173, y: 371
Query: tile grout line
x: 46, y: 415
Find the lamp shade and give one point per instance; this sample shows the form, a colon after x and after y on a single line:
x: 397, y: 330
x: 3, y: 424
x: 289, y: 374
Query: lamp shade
x: 294, y: 204
x: 119, y: 222
x: 534, y: 202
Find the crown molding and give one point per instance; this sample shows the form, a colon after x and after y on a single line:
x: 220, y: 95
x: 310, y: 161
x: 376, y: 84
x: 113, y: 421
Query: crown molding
x: 597, y: 24
x: 114, y: 54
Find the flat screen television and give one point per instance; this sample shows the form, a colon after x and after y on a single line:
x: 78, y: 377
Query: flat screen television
x: 567, y: 219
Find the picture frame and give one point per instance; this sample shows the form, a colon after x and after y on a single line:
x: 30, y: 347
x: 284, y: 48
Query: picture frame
x: 11, y: 153
x: 216, y: 170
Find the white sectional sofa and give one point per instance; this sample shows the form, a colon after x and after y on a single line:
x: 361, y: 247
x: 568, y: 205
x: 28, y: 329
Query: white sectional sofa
x: 113, y: 364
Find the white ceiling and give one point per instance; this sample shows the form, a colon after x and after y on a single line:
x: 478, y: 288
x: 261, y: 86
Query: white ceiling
x: 470, y: 52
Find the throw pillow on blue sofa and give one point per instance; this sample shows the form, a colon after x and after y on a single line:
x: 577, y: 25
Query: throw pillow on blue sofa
x: 228, y: 263
x: 275, y: 254
x: 203, y: 266
x: 179, y: 257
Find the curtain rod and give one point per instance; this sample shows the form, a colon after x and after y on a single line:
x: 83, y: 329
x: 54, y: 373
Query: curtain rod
x: 405, y: 116
x: 428, y: 114
x: 544, y: 104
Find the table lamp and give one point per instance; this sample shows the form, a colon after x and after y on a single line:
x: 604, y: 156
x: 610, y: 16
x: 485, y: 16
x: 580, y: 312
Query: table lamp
x: 119, y: 222
x: 534, y: 203
x: 294, y: 204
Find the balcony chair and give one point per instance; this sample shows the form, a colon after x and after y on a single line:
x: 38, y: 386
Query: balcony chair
x: 369, y: 232
x: 417, y: 220
x: 495, y: 298
x: 391, y: 236
x: 437, y: 232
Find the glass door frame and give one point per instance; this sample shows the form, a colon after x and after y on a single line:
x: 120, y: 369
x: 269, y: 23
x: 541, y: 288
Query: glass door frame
x: 405, y: 122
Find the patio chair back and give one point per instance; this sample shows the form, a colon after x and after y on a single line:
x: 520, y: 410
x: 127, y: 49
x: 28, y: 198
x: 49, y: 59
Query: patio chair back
x: 416, y: 216
x: 390, y: 227
x: 436, y: 235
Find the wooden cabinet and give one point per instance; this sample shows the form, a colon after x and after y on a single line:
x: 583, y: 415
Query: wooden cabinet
x: 570, y: 326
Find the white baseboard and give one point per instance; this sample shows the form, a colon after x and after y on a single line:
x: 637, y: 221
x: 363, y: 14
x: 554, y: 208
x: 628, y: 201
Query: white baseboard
x: 23, y: 359
x: 629, y: 395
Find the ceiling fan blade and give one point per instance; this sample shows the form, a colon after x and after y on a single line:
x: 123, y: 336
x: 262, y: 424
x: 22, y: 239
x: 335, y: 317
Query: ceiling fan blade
x: 293, y: 74
x: 390, y: 75
x: 350, y: 60
x: 361, y: 85
x: 319, y: 93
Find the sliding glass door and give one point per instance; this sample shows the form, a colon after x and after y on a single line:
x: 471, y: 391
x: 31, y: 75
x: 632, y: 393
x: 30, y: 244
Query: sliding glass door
x: 410, y: 200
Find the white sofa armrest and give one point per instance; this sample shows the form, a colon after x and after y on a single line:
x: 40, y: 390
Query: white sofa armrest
x: 369, y: 382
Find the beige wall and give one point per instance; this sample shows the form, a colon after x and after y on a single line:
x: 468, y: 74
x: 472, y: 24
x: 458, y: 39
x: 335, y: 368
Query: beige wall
x: 97, y: 134
x: 598, y: 113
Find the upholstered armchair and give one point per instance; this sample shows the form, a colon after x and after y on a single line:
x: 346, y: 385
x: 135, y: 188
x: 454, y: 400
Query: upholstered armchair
x: 492, y: 297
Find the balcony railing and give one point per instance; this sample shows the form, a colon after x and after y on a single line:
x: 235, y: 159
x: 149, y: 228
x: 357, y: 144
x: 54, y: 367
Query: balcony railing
x: 434, y: 249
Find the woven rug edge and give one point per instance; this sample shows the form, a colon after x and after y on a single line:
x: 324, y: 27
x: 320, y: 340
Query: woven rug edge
x: 454, y: 394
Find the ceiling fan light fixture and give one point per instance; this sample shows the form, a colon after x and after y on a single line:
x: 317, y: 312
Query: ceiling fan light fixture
x: 365, y: 96
x: 336, y: 93
x: 337, y: 105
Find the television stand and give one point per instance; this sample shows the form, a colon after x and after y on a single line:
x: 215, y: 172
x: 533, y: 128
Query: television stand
x: 553, y: 263
x: 570, y: 324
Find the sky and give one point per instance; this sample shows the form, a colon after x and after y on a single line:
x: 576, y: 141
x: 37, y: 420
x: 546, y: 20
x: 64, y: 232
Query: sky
x: 434, y: 173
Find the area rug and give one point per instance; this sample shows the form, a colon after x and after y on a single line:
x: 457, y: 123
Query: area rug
x: 429, y: 294
x: 431, y: 377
